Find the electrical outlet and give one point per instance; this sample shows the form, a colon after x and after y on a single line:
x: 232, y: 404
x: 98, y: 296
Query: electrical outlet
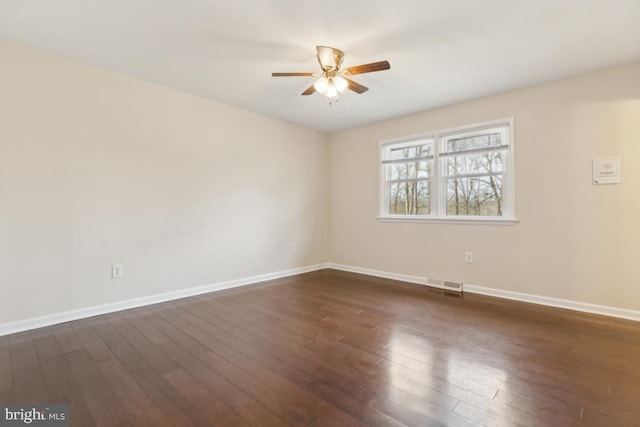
x: 117, y: 271
x: 294, y: 247
x: 468, y: 257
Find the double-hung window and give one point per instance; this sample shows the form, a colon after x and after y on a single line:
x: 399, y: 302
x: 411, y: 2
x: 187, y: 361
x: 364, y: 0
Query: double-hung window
x: 461, y: 174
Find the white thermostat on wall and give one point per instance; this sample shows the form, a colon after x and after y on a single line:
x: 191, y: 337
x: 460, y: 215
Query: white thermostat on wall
x: 606, y: 171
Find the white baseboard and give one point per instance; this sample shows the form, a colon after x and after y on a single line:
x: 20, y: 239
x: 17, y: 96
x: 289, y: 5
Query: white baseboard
x: 378, y: 273
x: 585, y: 307
x: 515, y: 296
x: 82, y: 313
x: 394, y: 276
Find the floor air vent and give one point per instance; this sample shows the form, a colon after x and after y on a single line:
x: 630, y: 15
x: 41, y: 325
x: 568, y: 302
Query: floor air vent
x: 445, y: 284
x: 452, y: 286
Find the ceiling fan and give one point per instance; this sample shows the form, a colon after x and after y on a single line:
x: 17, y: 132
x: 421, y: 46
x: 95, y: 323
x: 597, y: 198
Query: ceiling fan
x: 334, y: 80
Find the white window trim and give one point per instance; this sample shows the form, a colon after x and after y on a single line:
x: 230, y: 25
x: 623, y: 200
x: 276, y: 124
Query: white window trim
x: 438, y: 192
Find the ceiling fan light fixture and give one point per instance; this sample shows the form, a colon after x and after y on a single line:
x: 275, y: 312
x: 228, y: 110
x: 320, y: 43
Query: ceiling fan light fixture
x: 321, y: 85
x: 331, y: 86
x: 341, y: 83
x: 331, y: 92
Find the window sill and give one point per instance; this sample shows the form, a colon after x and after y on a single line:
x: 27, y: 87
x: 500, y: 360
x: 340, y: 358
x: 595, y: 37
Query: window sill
x: 449, y: 220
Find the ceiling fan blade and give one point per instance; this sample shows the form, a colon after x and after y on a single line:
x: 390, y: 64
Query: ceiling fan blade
x: 292, y: 74
x: 368, y: 68
x: 356, y: 87
x: 309, y: 90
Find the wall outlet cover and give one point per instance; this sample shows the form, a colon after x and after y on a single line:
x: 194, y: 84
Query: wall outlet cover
x: 117, y: 270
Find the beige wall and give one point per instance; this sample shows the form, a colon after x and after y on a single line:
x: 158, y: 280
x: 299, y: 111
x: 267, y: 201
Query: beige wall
x: 98, y: 169
x: 574, y: 240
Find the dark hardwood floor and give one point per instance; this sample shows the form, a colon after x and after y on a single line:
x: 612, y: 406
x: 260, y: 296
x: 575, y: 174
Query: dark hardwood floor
x: 332, y: 349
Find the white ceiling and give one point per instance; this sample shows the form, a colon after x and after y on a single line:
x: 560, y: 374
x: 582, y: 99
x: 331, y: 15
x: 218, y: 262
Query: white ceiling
x: 441, y: 51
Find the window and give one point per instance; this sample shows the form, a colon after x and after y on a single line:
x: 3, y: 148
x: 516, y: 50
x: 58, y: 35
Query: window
x: 463, y: 174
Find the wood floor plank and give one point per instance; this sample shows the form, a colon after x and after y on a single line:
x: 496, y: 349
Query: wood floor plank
x: 144, y: 346
x: 488, y: 418
x: 119, y: 346
x: 250, y: 319
x: 236, y: 363
x: 362, y: 355
x: 67, y: 338
x: 295, y: 320
x: 215, y: 410
x: 325, y: 413
x: 101, y: 400
x: 338, y: 364
x: 359, y: 409
x: 139, y: 319
x: 56, y: 374
x: 328, y: 349
x: 91, y: 341
x: 518, y: 409
x: 28, y: 385
x: 6, y: 371
x: 138, y: 405
x: 170, y: 331
x: 251, y: 410
x: 404, y: 413
x: 79, y: 414
x: 284, y: 406
x: 209, y: 324
x: 173, y: 404
x: 272, y: 337
x: 330, y: 380
x: 289, y: 362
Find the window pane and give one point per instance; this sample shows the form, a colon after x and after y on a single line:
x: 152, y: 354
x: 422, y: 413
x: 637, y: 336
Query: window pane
x: 410, y: 198
x: 492, y: 137
x: 492, y: 161
x: 409, y: 170
x: 475, y: 196
x: 410, y: 152
x: 468, y: 165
